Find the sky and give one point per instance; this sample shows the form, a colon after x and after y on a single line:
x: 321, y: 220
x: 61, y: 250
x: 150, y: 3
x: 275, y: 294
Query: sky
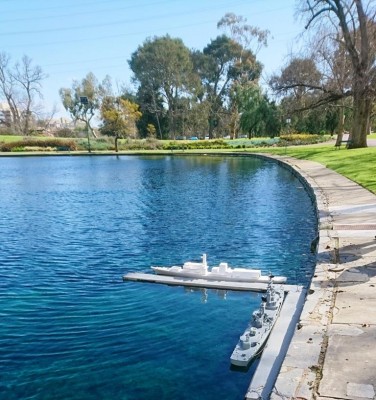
x: 70, y: 38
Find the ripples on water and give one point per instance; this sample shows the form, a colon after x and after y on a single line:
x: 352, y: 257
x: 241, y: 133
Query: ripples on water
x: 70, y: 227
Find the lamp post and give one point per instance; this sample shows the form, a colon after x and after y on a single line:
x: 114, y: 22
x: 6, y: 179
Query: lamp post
x: 288, y: 122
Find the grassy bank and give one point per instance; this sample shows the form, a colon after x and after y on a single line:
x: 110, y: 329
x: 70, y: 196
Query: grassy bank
x: 358, y: 165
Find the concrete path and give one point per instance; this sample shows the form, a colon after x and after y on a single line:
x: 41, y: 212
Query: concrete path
x: 333, y: 352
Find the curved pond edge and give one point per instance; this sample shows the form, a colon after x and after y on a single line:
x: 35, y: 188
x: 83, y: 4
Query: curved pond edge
x: 340, y: 303
x: 332, y: 352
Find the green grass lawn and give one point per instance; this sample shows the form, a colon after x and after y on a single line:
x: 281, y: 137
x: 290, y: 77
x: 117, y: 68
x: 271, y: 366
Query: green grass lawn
x: 358, y: 165
x: 10, y: 138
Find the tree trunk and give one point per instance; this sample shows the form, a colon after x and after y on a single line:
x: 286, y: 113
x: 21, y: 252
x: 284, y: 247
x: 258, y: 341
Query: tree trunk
x: 211, y: 126
x: 26, y: 126
x: 213, y: 117
x: 361, y: 118
x: 159, y: 126
x: 116, y: 143
x: 170, y: 119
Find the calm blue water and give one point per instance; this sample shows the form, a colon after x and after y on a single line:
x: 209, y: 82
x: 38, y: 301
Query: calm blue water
x: 71, y: 227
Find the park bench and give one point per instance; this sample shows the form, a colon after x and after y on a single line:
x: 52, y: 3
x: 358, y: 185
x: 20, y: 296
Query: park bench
x: 344, y: 141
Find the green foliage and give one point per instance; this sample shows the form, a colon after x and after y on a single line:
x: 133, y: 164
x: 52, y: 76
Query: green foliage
x: 119, y: 117
x: 196, y: 145
x: 5, y: 138
x: 84, y: 98
x: 163, y: 68
x: 296, y: 139
x: 223, y: 62
x: 259, y: 116
x: 100, y: 144
x: 148, y: 144
x: 45, y: 144
x: 249, y: 143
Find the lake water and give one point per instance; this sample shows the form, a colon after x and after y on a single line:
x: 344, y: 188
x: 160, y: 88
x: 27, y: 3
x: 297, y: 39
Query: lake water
x: 71, y: 227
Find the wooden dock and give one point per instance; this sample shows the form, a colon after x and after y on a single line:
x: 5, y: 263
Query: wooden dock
x: 201, y: 283
x: 274, y: 353
x: 279, y: 340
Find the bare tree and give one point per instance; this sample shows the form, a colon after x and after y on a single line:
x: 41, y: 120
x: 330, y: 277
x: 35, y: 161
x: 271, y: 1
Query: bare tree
x: 28, y: 78
x: 321, y: 79
x: 45, y: 118
x: 355, y: 19
x: 21, y: 85
x: 8, y: 88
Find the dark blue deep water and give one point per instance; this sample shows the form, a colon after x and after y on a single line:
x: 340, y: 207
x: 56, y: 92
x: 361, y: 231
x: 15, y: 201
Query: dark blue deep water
x: 71, y: 227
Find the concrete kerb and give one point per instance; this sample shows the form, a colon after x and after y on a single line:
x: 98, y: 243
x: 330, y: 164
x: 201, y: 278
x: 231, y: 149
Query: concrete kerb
x: 313, y: 366
x: 301, y: 369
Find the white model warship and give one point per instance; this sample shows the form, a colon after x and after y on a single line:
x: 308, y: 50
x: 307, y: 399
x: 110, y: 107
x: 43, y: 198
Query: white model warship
x: 254, y: 337
x: 222, y: 272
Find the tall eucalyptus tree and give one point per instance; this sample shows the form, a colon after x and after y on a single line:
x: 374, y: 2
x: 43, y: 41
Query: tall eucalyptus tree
x: 163, y: 67
x: 222, y: 62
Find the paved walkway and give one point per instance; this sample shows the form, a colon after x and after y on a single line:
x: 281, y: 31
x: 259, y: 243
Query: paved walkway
x: 333, y: 352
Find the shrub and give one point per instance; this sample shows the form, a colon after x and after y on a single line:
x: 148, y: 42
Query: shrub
x: 249, y: 143
x: 64, y: 133
x: 99, y: 144
x: 38, y: 144
x: 296, y: 139
x: 148, y: 144
x: 196, y: 145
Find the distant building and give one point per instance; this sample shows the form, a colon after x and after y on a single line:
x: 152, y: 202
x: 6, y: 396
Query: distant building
x: 5, y: 115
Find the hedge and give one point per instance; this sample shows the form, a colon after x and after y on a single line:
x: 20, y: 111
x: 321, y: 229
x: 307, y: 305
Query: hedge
x: 38, y: 144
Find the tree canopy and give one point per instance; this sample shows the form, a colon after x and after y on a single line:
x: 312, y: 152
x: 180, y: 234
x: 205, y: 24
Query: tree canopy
x: 83, y: 99
x: 119, y: 118
x: 342, y: 64
x: 216, y: 92
x: 21, y: 85
x: 163, y: 67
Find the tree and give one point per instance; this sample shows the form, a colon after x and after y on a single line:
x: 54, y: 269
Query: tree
x: 153, y: 111
x: 300, y: 77
x: 336, y: 65
x: 222, y: 62
x: 314, y: 89
x: 83, y: 99
x: 21, y: 85
x: 258, y: 116
x: 163, y: 67
x: 250, y: 38
x: 355, y: 19
x: 119, y: 118
x: 301, y: 85
x: 243, y: 33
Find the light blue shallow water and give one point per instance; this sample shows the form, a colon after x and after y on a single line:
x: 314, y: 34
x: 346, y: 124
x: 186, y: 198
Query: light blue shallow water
x: 70, y: 227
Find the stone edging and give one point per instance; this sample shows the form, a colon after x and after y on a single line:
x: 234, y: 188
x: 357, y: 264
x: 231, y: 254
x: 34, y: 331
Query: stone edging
x: 300, y: 374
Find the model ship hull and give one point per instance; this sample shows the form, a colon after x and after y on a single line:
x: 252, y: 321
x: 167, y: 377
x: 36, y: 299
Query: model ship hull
x: 254, y: 338
x: 199, y: 270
